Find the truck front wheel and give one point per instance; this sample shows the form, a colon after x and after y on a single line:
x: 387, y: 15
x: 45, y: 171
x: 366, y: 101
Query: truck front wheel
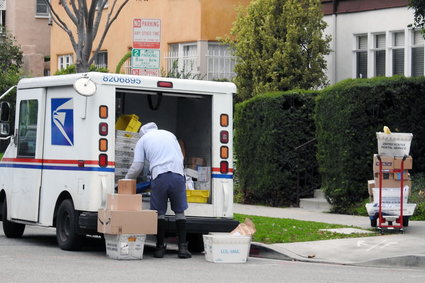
x: 11, y: 229
x: 66, y: 228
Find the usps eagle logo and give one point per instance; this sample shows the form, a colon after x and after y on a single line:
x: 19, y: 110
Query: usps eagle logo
x: 62, y: 121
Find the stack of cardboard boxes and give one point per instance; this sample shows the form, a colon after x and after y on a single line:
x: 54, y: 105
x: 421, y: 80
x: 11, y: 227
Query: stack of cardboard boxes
x: 124, y: 223
x: 391, y: 179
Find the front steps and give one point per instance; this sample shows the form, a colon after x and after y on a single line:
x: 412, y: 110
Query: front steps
x: 318, y: 203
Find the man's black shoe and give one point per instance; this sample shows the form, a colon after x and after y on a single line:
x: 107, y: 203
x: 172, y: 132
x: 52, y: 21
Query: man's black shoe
x: 183, y: 251
x: 159, y: 251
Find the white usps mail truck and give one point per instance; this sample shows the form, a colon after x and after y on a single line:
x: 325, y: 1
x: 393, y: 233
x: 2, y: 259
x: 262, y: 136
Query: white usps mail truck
x: 64, y: 151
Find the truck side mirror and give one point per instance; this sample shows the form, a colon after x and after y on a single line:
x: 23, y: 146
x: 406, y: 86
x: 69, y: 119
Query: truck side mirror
x: 4, y: 111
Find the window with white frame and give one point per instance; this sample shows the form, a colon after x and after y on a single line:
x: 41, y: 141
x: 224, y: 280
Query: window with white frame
x: 64, y: 61
x: 361, y: 56
x: 101, y: 60
x: 221, y: 62
x: 41, y: 9
x: 417, y: 54
x: 398, y: 53
x: 379, y: 49
x: 183, y: 58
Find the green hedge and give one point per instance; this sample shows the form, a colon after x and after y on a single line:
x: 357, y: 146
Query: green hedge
x: 347, y: 117
x: 267, y: 129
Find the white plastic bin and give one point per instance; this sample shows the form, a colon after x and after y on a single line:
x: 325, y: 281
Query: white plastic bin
x: 125, y: 246
x: 226, y: 248
x: 394, y: 144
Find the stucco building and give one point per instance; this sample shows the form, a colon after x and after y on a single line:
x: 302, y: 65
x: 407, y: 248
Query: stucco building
x: 189, y: 30
x: 370, y: 37
x: 28, y: 21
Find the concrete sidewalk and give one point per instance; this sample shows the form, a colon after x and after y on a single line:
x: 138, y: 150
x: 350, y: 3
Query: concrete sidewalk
x: 388, y: 250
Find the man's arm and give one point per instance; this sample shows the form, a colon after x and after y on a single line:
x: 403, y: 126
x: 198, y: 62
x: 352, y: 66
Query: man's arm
x: 134, y: 170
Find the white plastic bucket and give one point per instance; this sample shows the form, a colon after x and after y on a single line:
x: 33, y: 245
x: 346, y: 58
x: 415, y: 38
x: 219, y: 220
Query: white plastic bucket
x: 394, y: 144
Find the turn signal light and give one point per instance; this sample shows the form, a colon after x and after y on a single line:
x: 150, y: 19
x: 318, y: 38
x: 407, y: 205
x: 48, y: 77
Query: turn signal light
x: 224, y: 152
x: 224, y: 120
x: 103, y: 111
x: 103, y: 144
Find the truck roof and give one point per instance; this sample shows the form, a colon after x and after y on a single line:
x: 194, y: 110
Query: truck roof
x: 131, y: 82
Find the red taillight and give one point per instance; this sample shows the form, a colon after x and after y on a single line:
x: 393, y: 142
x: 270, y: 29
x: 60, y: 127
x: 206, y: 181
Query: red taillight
x: 165, y: 84
x: 103, y: 129
x: 224, y: 167
x: 103, y: 160
x: 224, y: 136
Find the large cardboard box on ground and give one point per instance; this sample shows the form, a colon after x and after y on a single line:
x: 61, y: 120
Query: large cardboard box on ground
x: 124, y: 202
x: 391, y: 163
x: 226, y: 248
x: 125, y: 246
x: 127, y: 222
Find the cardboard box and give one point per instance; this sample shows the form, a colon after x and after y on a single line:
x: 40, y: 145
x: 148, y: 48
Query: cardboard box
x: 194, y: 162
x: 125, y: 246
x: 124, y: 202
x: 127, y: 186
x: 127, y: 222
x: 393, y: 184
x: 391, y: 195
x: 393, y: 176
x: 391, y: 163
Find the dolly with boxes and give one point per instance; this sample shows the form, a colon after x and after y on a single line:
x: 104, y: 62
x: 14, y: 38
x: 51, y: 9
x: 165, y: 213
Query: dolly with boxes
x: 390, y: 189
x: 124, y: 223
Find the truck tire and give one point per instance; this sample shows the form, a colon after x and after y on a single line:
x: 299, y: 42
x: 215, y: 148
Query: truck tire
x: 196, y: 242
x: 11, y: 229
x: 66, y: 227
x: 374, y: 222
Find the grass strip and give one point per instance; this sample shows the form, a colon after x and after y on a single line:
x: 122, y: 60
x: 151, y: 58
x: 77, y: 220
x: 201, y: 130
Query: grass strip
x: 282, y: 230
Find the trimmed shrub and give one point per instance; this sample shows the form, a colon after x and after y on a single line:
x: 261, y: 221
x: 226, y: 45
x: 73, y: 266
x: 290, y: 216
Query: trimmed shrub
x: 267, y: 129
x: 348, y: 115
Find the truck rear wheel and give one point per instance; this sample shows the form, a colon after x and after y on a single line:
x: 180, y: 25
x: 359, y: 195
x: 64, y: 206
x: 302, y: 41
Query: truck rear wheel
x: 66, y: 227
x: 11, y: 229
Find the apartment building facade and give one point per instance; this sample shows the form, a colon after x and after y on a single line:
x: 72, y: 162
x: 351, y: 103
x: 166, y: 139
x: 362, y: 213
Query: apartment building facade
x: 189, y: 33
x: 28, y: 21
x: 372, y: 38
x: 369, y: 38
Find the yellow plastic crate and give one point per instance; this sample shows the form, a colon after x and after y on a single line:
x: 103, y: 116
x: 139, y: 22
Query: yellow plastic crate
x: 200, y: 196
x: 129, y: 123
